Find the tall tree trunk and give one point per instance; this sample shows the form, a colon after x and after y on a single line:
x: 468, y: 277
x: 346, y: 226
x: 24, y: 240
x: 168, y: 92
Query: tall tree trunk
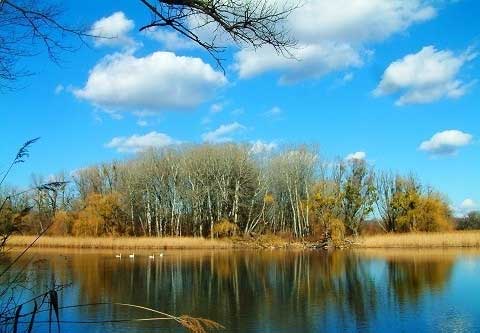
x: 149, y: 214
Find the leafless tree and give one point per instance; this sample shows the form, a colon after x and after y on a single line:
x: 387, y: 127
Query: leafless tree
x: 26, y: 28
x: 387, y: 186
x: 359, y: 194
x: 251, y: 23
x: 30, y: 27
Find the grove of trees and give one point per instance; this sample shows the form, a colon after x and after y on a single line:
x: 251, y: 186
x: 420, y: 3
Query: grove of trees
x: 228, y: 189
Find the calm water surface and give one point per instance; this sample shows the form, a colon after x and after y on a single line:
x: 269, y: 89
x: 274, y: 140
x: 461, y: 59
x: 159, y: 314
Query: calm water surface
x: 271, y: 291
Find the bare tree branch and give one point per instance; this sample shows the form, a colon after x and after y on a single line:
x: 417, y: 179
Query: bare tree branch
x: 248, y: 23
x: 26, y: 28
x: 29, y: 27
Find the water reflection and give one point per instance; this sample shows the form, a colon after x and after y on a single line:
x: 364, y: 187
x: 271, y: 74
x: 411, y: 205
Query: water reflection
x: 267, y: 291
x: 410, y: 279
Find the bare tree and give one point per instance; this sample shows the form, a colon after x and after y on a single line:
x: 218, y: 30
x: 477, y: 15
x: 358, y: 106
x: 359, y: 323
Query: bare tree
x: 387, y: 187
x: 30, y: 27
x: 252, y: 23
x: 358, y: 194
x: 26, y: 28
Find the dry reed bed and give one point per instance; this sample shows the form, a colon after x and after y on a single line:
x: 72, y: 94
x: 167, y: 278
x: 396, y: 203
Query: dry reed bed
x: 422, y: 240
x: 121, y: 242
x: 464, y: 239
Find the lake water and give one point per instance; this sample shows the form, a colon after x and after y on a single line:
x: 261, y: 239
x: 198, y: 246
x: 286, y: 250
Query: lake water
x: 269, y: 291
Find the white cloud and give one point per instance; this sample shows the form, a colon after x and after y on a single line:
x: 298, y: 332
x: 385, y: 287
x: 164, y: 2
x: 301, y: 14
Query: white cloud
x: 216, y: 108
x: 466, y: 206
x: 171, y: 40
x: 273, y: 112
x: 113, y: 31
x: 223, y: 133
x: 446, y: 142
x: 359, y: 20
x: 142, y: 123
x: 154, y: 83
x: 59, y: 89
x: 209, y: 31
x: 347, y: 77
x: 237, y: 112
x: 357, y: 156
x: 310, y: 61
x: 426, y: 76
x: 137, y: 143
x: 206, y: 120
x: 333, y: 35
x: 259, y: 147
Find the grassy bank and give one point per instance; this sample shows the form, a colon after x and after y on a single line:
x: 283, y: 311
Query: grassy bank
x: 261, y: 242
x: 121, y: 242
x: 422, y: 240
x: 459, y: 239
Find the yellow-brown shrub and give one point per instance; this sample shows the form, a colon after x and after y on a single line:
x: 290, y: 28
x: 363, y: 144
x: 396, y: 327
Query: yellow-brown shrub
x: 100, y: 216
x: 224, y: 228
x: 337, y: 231
x: 430, y: 213
x: 62, y: 223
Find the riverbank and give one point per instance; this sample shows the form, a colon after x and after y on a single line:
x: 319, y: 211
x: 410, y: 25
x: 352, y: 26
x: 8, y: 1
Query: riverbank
x: 115, y: 243
x: 146, y: 243
x: 421, y: 240
x: 453, y: 239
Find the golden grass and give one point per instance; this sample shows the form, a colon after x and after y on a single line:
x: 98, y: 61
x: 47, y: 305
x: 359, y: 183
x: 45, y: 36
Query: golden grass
x: 459, y: 239
x: 422, y: 240
x: 121, y: 242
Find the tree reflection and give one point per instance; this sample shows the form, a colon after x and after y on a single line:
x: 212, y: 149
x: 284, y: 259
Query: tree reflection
x: 410, y: 278
x: 253, y: 290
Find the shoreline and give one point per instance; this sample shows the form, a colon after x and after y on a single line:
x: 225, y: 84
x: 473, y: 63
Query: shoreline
x: 431, y: 240
x: 114, y: 243
x: 457, y: 239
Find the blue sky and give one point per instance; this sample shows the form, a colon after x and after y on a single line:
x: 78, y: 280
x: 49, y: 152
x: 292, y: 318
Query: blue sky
x: 394, y: 82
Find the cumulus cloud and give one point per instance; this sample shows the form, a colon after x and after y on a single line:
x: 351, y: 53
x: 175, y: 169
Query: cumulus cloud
x: 347, y: 77
x: 273, y: 112
x: 357, y: 156
x: 333, y: 36
x: 466, y: 206
x: 446, y: 142
x: 59, y: 89
x: 223, y: 133
x: 426, y: 76
x: 142, y: 123
x: 237, y: 112
x: 216, y: 108
x: 137, y: 143
x: 259, y: 147
x: 357, y: 21
x: 113, y: 30
x: 154, y: 83
x: 310, y: 61
x: 171, y: 40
